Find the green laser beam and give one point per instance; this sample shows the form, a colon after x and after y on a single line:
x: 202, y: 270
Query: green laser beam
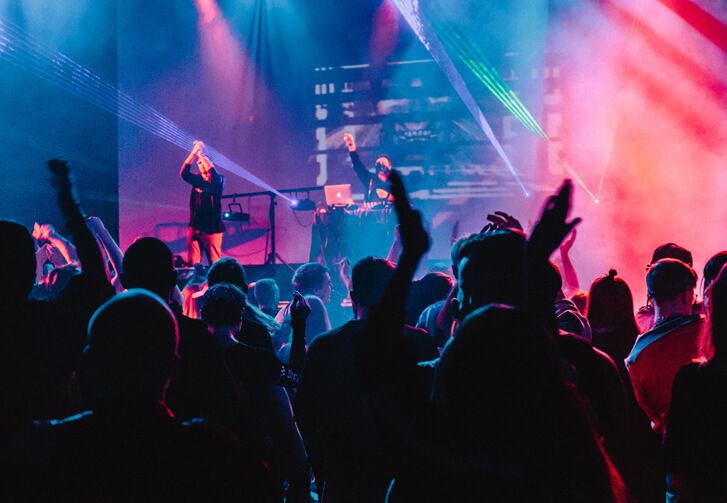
x: 471, y: 56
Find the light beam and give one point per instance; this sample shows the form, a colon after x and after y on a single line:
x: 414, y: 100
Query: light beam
x: 21, y: 50
x: 410, y: 10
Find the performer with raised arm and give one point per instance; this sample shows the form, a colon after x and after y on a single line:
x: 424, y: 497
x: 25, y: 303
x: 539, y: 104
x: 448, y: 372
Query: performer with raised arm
x: 375, y: 184
x: 205, y: 207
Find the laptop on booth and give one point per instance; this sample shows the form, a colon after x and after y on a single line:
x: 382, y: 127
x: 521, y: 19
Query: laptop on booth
x: 338, y: 195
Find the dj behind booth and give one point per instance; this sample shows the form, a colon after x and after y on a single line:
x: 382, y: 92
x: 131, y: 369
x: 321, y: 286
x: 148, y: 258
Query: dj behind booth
x: 343, y: 229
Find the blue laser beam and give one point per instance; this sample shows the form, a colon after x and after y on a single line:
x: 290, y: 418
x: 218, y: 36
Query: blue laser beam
x: 23, y: 51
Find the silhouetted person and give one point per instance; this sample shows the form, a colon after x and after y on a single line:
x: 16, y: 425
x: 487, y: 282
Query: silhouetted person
x: 493, y: 268
x: 674, y: 341
x: 313, y: 281
x: 490, y: 270
x: 267, y: 296
x: 437, y: 319
x: 432, y: 288
x: 259, y: 408
x: 589, y: 370
x: 149, y: 263
x: 696, y: 440
x: 518, y: 434
x: 645, y: 314
x: 41, y: 341
x: 711, y: 270
x: 611, y: 314
x: 340, y: 436
x: 257, y: 326
x: 128, y: 445
x: 502, y: 424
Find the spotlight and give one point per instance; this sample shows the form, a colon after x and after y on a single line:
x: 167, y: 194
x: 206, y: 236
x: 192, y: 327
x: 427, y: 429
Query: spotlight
x: 236, y: 216
x: 234, y: 213
x: 302, y: 205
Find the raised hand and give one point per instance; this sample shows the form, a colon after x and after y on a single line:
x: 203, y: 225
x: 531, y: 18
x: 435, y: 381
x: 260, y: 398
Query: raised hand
x: 501, y: 220
x: 63, y: 182
x: 41, y: 232
x: 414, y: 239
x: 299, y: 308
x: 553, y: 227
x: 349, y: 141
x: 89, y: 254
x: 59, y: 168
x: 197, y: 147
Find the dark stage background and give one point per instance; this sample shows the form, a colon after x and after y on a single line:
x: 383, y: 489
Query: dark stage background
x: 39, y: 120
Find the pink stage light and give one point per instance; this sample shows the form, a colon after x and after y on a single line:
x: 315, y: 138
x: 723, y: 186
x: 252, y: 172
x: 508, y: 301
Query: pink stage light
x: 644, y: 100
x: 385, y: 32
x: 208, y: 11
x: 229, y: 73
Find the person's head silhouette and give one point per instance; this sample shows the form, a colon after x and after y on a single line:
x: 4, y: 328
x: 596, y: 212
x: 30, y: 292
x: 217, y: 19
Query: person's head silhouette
x: 132, y: 347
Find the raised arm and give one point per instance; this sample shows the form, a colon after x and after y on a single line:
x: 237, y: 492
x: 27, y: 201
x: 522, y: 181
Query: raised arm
x: 414, y: 243
x: 547, y: 235
x: 382, y: 353
x: 361, y: 172
x: 570, y: 277
x: 185, y: 170
x: 395, y: 250
x: 113, y: 253
x: 89, y: 254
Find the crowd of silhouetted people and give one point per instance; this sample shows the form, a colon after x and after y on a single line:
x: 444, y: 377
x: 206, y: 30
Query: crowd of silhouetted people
x: 499, y: 381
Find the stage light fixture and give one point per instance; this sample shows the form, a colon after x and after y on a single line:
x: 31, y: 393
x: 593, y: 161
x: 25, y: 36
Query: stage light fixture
x: 235, y: 216
x: 302, y: 204
x: 234, y: 213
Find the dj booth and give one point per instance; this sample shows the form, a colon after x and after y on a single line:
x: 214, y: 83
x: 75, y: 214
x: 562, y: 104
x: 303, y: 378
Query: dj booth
x: 340, y: 229
x: 352, y: 232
